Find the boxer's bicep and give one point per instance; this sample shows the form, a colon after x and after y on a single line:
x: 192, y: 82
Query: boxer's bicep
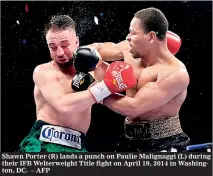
x: 155, y: 94
x: 49, y: 86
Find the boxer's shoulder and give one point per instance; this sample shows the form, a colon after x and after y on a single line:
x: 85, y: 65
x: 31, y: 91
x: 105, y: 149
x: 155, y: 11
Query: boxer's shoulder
x: 181, y: 64
x: 45, y: 70
x: 44, y: 67
x: 160, y: 72
x: 173, y: 76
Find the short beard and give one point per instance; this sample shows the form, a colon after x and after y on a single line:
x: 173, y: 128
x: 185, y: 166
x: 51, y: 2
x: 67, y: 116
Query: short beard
x: 66, y: 65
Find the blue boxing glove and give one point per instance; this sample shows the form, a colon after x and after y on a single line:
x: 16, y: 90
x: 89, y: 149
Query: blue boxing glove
x: 85, y: 59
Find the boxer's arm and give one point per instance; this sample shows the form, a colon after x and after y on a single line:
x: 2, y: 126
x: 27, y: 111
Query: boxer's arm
x: 53, y: 93
x: 111, y: 51
x: 151, y: 96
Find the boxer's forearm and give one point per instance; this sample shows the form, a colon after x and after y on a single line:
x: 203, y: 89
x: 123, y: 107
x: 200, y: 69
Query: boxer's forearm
x: 109, y: 51
x: 76, y: 102
x: 121, y: 104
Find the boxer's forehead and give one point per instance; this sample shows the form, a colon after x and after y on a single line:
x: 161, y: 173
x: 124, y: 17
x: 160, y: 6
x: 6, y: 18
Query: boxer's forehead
x: 135, y: 25
x: 55, y: 36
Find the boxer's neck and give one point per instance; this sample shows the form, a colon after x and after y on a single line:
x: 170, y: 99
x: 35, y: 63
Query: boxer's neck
x: 158, y: 54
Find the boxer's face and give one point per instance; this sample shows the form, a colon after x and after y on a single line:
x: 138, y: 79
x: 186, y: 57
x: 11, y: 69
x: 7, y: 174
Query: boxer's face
x: 138, y: 40
x: 62, y: 44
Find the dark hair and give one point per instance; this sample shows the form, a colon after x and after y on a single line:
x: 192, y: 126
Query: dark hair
x: 60, y: 22
x: 153, y: 19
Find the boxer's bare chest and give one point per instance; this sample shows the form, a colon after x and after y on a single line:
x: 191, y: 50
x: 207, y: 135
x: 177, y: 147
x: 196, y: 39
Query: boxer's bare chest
x: 65, y: 81
x: 143, y: 75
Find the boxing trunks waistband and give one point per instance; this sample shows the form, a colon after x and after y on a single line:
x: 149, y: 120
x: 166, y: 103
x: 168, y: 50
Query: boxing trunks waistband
x: 61, y: 135
x: 154, y: 129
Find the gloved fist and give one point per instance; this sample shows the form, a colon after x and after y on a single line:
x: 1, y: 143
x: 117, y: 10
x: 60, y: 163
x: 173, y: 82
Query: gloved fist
x: 119, y: 77
x: 85, y: 59
x: 82, y: 81
x: 173, y: 42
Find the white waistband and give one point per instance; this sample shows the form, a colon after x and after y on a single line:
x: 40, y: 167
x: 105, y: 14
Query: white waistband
x: 61, y: 135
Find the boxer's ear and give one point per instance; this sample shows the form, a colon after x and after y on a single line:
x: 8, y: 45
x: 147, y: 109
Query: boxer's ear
x: 77, y: 41
x: 152, y: 36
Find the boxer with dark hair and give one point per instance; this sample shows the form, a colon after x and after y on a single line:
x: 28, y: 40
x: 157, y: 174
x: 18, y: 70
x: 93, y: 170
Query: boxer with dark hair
x: 152, y: 106
x: 66, y: 88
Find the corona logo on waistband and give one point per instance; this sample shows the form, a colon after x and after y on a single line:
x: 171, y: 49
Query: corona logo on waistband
x: 119, y: 80
x: 50, y: 133
x: 60, y: 135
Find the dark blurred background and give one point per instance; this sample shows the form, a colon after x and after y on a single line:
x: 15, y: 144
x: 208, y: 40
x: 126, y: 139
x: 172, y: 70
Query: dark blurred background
x: 23, y: 48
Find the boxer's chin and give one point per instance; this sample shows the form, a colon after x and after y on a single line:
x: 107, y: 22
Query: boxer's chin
x: 135, y: 55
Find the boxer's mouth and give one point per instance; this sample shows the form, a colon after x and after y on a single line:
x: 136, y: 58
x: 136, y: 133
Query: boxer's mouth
x: 62, y: 59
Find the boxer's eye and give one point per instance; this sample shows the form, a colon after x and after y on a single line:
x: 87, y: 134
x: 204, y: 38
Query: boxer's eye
x: 53, y: 48
x: 64, y: 47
